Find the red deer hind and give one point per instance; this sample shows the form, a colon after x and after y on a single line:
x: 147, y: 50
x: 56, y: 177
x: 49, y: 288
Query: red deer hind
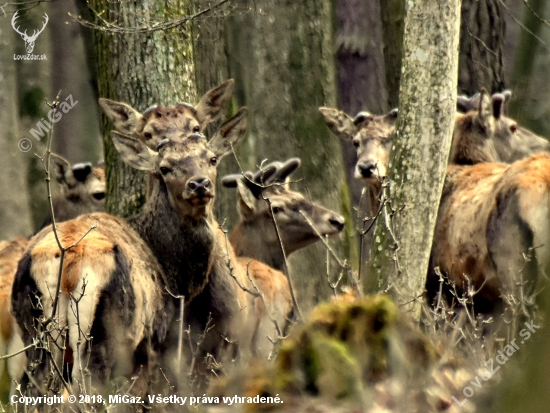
x: 82, y: 191
x: 29, y: 40
x: 114, y: 279
x: 263, y: 201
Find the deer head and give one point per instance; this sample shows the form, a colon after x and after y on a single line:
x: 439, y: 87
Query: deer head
x: 264, y: 198
x: 29, y: 40
x: 160, y: 122
x: 185, y: 165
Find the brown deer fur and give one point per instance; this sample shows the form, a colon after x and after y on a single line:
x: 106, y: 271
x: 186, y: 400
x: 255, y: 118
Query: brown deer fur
x: 483, y: 134
x: 492, y: 231
x: 182, y: 252
x: 82, y: 191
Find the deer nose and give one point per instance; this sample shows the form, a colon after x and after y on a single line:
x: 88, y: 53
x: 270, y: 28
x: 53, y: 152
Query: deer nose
x: 366, y: 169
x: 337, y: 222
x: 199, y: 185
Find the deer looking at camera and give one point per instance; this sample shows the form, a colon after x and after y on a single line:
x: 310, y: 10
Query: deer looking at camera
x: 117, y: 280
x: 483, y: 134
x: 82, y: 191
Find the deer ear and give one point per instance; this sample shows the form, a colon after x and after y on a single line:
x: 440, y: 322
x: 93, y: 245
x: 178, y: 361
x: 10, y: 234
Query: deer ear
x: 214, y: 102
x: 485, y: 110
x: 126, y: 119
x: 246, y: 200
x: 339, y: 123
x: 62, y: 170
x: 230, y: 134
x: 134, y: 152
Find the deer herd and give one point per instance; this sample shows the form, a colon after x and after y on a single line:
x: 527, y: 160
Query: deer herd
x: 166, y: 299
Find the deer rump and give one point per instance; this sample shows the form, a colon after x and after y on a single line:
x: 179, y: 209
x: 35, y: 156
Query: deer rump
x: 493, y: 230
x: 110, y: 302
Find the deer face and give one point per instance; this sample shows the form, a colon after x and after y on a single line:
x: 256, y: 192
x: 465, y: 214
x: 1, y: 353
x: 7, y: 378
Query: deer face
x: 81, y: 184
x: 299, y: 221
x: 370, y: 135
x: 186, y: 165
x: 264, y: 199
x: 159, y: 122
x: 29, y: 40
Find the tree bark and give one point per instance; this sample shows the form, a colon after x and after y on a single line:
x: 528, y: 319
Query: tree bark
x: 523, y: 106
x: 77, y: 133
x: 281, y: 57
x: 15, y: 217
x: 399, y: 259
x: 140, y: 69
x: 361, y: 85
x: 393, y: 21
x: 481, y: 47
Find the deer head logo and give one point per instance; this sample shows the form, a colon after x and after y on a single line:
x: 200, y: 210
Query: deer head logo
x: 29, y: 40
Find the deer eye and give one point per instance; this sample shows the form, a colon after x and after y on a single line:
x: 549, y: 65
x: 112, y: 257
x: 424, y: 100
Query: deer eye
x: 213, y: 160
x: 276, y: 210
x: 99, y: 196
x: 356, y: 144
x: 196, y: 129
x: 147, y: 135
x: 513, y: 128
x: 164, y: 170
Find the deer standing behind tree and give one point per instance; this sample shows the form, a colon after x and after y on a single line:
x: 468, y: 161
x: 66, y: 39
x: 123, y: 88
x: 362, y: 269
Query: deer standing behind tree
x: 483, y: 134
x: 82, y: 191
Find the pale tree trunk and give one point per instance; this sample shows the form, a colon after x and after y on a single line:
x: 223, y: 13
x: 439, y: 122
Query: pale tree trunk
x: 140, y: 69
x: 403, y: 236
x: 15, y: 217
x: 282, y: 59
x: 481, y: 47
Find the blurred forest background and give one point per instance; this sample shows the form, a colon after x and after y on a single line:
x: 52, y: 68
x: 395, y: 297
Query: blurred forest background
x: 287, y: 58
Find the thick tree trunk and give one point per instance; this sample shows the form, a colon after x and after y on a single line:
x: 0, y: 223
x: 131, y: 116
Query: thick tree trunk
x: 481, y: 47
x: 403, y: 237
x: 282, y: 61
x: 393, y: 21
x: 140, y: 69
x: 15, y: 217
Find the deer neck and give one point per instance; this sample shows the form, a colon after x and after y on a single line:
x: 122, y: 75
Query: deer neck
x: 246, y: 239
x: 183, y: 246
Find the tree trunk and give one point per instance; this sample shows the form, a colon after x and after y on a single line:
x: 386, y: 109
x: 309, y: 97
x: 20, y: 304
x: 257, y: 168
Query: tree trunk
x: 212, y: 69
x: 393, y: 21
x: 524, y: 104
x: 15, y: 217
x: 140, y: 69
x: 282, y: 61
x: 77, y: 133
x: 427, y: 100
x: 481, y: 47
x: 361, y: 83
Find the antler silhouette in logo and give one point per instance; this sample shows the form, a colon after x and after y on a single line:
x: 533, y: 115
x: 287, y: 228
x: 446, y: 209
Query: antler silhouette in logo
x: 29, y: 40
